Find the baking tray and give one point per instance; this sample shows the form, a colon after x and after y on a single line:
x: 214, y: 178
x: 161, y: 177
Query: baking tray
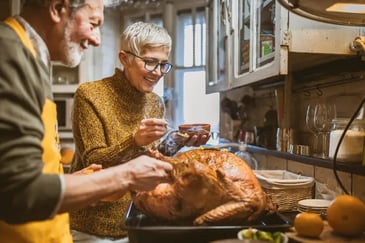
x: 144, y: 229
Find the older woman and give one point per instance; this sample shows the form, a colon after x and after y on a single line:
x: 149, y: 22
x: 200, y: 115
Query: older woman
x: 117, y: 118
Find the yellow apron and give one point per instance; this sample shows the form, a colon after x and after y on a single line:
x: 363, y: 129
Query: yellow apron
x: 57, y: 229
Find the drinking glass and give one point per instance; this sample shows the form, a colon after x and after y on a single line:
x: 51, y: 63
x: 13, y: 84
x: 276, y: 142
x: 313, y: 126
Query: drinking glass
x: 324, y: 113
x: 214, y: 136
x: 309, y: 121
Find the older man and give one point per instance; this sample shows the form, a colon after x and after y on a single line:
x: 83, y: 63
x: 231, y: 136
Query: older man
x: 35, y: 195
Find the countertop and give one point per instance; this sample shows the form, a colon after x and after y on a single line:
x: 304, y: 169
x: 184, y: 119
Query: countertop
x: 327, y: 234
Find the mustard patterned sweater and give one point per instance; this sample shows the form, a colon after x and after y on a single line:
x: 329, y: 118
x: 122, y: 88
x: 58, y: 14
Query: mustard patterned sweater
x: 105, y: 115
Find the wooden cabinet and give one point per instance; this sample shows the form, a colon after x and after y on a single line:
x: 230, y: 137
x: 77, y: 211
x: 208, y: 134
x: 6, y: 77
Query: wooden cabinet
x: 242, y: 43
x: 256, y: 49
x: 255, y: 40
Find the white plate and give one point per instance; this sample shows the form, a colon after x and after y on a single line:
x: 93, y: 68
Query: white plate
x: 284, y: 237
x: 306, y: 210
x: 314, y: 203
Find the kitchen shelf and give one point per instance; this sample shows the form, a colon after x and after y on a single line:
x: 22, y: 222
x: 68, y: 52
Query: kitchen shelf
x: 65, y: 135
x: 354, y: 168
x: 64, y: 89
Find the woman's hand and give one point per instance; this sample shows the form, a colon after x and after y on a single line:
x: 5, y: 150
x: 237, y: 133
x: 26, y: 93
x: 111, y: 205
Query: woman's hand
x: 150, y: 130
x: 197, y: 139
x: 194, y: 139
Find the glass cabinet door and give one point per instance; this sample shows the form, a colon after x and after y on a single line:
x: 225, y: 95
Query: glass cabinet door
x: 241, y: 43
x: 254, y: 56
x: 219, y: 19
x: 265, y: 32
x: 244, y: 36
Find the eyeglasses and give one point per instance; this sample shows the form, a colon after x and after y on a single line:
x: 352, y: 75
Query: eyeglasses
x: 151, y: 65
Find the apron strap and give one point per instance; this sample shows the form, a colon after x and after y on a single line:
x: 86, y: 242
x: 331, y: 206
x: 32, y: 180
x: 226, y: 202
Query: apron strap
x: 14, y: 24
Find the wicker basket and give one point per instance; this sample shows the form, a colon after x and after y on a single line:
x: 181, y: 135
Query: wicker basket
x: 285, y: 188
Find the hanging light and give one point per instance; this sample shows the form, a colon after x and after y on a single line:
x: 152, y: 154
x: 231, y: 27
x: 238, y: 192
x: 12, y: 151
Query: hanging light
x: 339, y: 12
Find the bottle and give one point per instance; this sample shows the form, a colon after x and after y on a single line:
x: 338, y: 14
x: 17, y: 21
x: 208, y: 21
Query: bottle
x: 246, y: 156
x: 352, y: 145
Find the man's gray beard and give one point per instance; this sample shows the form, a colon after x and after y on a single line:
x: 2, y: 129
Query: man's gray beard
x: 71, y: 49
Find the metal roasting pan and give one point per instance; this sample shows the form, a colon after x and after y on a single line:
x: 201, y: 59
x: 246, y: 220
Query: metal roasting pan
x: 144, y: 229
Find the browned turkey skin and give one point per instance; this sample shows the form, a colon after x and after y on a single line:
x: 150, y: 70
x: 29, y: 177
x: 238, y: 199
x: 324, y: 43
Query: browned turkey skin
x: 209, y: 187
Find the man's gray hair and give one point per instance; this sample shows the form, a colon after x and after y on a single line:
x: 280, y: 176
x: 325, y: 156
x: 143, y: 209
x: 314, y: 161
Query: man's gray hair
x: 73, y: 3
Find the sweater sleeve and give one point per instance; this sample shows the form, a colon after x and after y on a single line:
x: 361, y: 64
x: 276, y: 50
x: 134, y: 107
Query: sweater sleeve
x: 26, y: 193
x: 91, y: 138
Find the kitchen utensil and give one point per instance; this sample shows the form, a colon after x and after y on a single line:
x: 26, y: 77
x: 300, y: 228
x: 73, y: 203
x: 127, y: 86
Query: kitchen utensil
x: 279, y: 103
x: 284, y: 137
x: 352, y: 145
x: 299, y: 149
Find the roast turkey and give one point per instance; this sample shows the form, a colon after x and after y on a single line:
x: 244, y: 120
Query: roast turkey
x: 209, y: 187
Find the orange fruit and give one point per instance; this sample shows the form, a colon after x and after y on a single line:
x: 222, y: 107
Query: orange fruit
x: 66, y: 155
x: 308, y: 224
x: 346, y: 215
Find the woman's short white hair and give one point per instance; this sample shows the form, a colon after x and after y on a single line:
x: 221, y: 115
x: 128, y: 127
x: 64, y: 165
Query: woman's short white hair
x: 140, y: 36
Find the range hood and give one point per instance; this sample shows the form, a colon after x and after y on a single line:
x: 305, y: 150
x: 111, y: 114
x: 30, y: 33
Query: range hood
x: 345, y: 12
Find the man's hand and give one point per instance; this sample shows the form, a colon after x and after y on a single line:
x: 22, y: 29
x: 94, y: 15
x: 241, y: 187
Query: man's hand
x: 145, y: 173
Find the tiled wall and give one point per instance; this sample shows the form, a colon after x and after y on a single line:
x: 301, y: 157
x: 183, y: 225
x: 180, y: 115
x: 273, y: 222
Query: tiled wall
x: 347, y: 97
x: 326, y: 185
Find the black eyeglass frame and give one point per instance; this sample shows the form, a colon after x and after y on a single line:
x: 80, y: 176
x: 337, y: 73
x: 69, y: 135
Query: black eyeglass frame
x: 161, y: 64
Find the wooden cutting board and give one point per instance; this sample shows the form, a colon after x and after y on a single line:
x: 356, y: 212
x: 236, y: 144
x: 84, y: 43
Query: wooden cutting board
x: 327, y: 235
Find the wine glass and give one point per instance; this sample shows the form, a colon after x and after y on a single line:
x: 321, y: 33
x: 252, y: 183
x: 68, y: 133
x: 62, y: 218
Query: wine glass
x: 309, y: 121
x: 324, y: 113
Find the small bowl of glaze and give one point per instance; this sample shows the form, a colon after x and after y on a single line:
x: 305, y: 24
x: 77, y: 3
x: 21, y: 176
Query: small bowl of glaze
x: 195, y: 129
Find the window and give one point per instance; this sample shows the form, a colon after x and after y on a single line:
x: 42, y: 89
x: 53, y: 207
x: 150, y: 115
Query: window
x: 187, y: 98
x: 193, y: 104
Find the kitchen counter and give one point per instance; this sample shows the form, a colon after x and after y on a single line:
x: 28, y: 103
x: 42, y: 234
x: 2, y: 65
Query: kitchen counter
x: 327, y: 234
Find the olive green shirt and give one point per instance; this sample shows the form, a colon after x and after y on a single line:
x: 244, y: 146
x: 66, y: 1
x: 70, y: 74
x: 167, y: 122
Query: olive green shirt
x: 30, y: 185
